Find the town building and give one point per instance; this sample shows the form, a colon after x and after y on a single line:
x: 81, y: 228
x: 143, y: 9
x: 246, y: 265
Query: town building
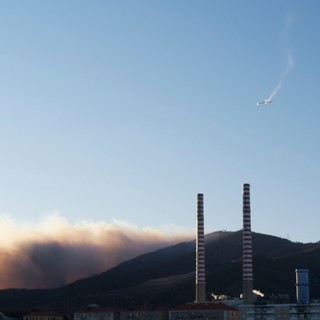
x: 44, y: 315
x: 204, y: 311
x: 94, y: 312
x: 144, y: 314
x: 280, y: 312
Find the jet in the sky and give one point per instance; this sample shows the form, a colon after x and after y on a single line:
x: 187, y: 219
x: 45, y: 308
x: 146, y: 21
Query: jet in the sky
x: 264, y: 102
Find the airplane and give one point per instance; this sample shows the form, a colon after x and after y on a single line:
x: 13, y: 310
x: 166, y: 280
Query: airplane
x: 264, y: 102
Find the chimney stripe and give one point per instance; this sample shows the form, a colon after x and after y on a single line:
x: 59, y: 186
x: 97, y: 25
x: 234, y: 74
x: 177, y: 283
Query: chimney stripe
x: 200, y: 253
x: 247, y: 269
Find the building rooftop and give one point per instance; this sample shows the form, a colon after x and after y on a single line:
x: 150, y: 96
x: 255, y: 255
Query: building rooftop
x: 44, y: 313
x: 98, y: 309
x: 205, y: 306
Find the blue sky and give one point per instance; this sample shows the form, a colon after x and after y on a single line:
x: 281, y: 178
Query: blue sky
x: 127, y: 109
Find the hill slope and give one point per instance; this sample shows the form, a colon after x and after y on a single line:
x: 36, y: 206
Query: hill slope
x: 166, y: 276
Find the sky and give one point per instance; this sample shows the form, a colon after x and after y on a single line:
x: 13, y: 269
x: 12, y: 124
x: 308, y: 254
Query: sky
x: 115, y: 114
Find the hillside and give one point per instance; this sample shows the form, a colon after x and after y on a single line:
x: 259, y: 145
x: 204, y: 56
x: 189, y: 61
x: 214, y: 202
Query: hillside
x: 166, y: 276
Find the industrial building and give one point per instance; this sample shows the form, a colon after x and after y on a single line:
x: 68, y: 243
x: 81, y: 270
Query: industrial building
x: 249, y: 310
x: 214, y: 311
x: 280, y: 312
x: 245, y: 309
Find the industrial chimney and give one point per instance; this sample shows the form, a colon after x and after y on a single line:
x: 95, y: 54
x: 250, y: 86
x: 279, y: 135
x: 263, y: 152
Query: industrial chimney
x: 247, y: 247
x: 302, y: 286
x: 200, y: 257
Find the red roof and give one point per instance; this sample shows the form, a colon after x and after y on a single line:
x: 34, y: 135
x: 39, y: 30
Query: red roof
x: 97, y: 309
x: 45, y: 314
x: 146, y: 308
x: 205, y: 306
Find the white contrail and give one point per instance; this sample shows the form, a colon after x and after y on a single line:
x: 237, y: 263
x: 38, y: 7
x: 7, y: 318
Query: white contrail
x: 282, y: 77
x: 289, y: 58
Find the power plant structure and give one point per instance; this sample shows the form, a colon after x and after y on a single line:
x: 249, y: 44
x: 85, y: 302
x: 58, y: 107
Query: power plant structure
x: 220, y: 309
x: 200, y: 281
x: 302, y: 286
x: 249, y: 310
x: 248, y: 307
x: 200, y: 253
x: 235, y: 309
x: 247, y: 268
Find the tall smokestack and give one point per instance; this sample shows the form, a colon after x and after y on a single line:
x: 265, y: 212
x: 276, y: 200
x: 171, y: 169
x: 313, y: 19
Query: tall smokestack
x: 247, y: 247
x: 200, y: 257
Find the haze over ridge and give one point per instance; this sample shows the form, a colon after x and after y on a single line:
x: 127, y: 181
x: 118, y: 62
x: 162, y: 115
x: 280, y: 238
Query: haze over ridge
x: 55, y: 252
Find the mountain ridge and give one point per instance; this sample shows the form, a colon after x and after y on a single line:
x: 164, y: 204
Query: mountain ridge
x: 166, y: 276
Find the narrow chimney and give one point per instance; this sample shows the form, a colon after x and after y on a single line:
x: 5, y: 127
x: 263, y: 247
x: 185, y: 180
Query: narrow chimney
x: 200, y: 256
x: 247, y: 247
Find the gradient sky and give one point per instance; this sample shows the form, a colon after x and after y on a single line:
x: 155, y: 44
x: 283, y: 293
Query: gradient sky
x: 127, y: 109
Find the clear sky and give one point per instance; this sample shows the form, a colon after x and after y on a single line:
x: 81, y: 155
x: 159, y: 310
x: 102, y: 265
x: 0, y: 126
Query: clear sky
x: 125, y: 110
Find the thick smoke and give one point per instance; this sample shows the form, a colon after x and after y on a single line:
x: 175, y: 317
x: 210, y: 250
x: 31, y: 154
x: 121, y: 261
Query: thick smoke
x: 54, y: 252
x: 288, y: 55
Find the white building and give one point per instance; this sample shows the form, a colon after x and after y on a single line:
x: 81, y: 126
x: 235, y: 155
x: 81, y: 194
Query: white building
x: 43, y: 315
x: 204, y: 311
x: 95, y: 312
x: 280, y: 311
x: 144, y: 314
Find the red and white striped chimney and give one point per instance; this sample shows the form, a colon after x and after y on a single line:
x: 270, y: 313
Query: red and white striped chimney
x: 247, y: 247
x: 200, y: 254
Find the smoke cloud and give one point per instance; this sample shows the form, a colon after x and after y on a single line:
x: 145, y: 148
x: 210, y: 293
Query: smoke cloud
x: 55, y: 252
x: 288, y: 56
